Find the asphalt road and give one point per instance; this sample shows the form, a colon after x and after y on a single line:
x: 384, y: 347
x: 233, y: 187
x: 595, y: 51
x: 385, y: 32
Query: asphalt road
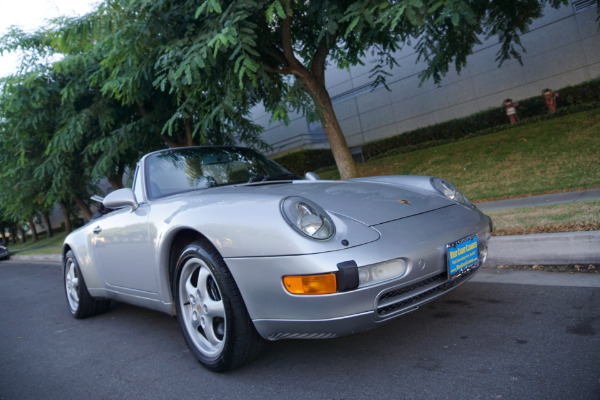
x: 482, y: 341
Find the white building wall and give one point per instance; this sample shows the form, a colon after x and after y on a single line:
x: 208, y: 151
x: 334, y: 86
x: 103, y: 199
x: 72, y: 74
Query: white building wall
x: 562, y: 48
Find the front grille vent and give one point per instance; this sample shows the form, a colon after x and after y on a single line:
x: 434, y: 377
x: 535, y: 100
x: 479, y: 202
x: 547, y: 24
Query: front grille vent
x: 403, y: 300
x: 291, y: 335
x: 397, y: 300
x: 399, y: 292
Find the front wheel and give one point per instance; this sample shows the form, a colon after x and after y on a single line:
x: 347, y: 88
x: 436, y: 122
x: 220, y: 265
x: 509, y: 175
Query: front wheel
x: 211, y: 312
x: 81, y: 303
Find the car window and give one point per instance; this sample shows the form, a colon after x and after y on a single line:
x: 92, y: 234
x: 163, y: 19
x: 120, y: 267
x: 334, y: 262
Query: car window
x: 181, y: 170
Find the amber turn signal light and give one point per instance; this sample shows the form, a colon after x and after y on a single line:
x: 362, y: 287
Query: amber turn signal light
x: 310, y: 284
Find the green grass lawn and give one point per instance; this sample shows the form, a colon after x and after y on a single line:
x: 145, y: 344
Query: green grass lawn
x: 582, y: 216
x: 556, y: 155
x: 42, y: 246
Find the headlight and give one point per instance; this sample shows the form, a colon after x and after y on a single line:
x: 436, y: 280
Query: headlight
x: 307, y: 218
x: 449, y: 190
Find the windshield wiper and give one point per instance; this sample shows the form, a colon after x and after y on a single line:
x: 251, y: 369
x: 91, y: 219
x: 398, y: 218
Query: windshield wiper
x: 278, y: 177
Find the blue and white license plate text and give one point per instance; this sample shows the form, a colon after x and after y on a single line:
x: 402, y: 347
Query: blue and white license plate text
x: 462, y: 255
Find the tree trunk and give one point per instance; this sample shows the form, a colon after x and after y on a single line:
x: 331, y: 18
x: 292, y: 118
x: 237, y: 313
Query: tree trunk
x: 333, y: 131
x: 116, y: 181
x: 47, y: 224
x: 189, y: 137
x: 34, y: 235
x: 331, y: 126
x: 85, y: 209
x: 314, y: 81
x: 22, y: 237
x: 2, y: 232
x: 65, y: 211
x: 13, y: 233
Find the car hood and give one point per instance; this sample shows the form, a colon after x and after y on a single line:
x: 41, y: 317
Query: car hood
x: 367, y: 202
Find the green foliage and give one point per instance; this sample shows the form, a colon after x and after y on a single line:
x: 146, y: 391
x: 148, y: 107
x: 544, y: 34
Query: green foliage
x: 239, y: 53
x: 25, y: 107
x: 137, y: 74
x: 302, y: 161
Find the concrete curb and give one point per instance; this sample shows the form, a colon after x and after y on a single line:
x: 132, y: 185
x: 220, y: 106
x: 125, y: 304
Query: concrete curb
x: 53, y: 258
x: 546, y: 249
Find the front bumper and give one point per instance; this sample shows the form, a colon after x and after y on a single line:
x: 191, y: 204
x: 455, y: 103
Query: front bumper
x: 421, y: 240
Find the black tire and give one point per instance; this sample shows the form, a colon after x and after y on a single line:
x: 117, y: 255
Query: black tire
x: 211, y: 312
x: 80, y: 302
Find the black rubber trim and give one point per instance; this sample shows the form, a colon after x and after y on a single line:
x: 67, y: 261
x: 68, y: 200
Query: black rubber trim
x: 347, y: 276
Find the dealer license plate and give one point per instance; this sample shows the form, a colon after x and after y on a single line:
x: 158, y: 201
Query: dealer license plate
x: 462, y: 255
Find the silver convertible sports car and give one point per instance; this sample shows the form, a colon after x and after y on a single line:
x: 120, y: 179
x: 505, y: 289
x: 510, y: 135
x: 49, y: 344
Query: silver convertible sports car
x: 242, y: 251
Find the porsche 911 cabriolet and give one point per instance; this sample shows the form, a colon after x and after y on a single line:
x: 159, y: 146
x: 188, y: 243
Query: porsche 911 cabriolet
x: 243, y: 251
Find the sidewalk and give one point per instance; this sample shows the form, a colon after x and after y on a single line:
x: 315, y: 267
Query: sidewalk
x: 52, y: 258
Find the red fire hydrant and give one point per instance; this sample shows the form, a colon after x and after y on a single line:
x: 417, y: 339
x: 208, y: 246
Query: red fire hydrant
x: 511, y: 110
x: 550, y: 99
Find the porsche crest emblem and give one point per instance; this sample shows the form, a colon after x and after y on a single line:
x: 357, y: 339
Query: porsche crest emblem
x: 404, y: 202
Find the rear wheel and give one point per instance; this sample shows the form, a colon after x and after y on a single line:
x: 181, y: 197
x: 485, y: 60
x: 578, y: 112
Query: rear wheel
x: 81, y: 303
x: 211, y: 311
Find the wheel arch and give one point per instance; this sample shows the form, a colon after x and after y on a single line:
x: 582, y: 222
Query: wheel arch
x: 66, y: 248
x: 176, y: 243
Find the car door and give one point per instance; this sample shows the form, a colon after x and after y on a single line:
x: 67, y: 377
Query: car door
x: 124, y: 250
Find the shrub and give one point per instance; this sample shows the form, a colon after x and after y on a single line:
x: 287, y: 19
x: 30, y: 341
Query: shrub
x: 302, y: 161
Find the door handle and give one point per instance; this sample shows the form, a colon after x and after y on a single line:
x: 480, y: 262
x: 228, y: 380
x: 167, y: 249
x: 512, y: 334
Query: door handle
x: 97, y: 230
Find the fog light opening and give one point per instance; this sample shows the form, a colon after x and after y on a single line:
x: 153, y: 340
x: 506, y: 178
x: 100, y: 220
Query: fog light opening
x: 483, y: 255
x: 375, y: 273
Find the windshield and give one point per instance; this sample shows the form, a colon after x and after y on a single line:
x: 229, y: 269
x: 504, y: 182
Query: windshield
x: 185, y: 169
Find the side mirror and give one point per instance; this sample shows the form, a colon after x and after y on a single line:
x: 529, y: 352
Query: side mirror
x: 120, y: 198
x: 311, y: 176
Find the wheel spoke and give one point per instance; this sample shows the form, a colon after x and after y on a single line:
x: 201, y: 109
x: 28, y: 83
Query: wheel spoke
x: 214, y: 309
x: 210, y: 334
x: 203, y: 276
x: 74, y: 289
x: 72, y: 285
x: 190, y: 290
